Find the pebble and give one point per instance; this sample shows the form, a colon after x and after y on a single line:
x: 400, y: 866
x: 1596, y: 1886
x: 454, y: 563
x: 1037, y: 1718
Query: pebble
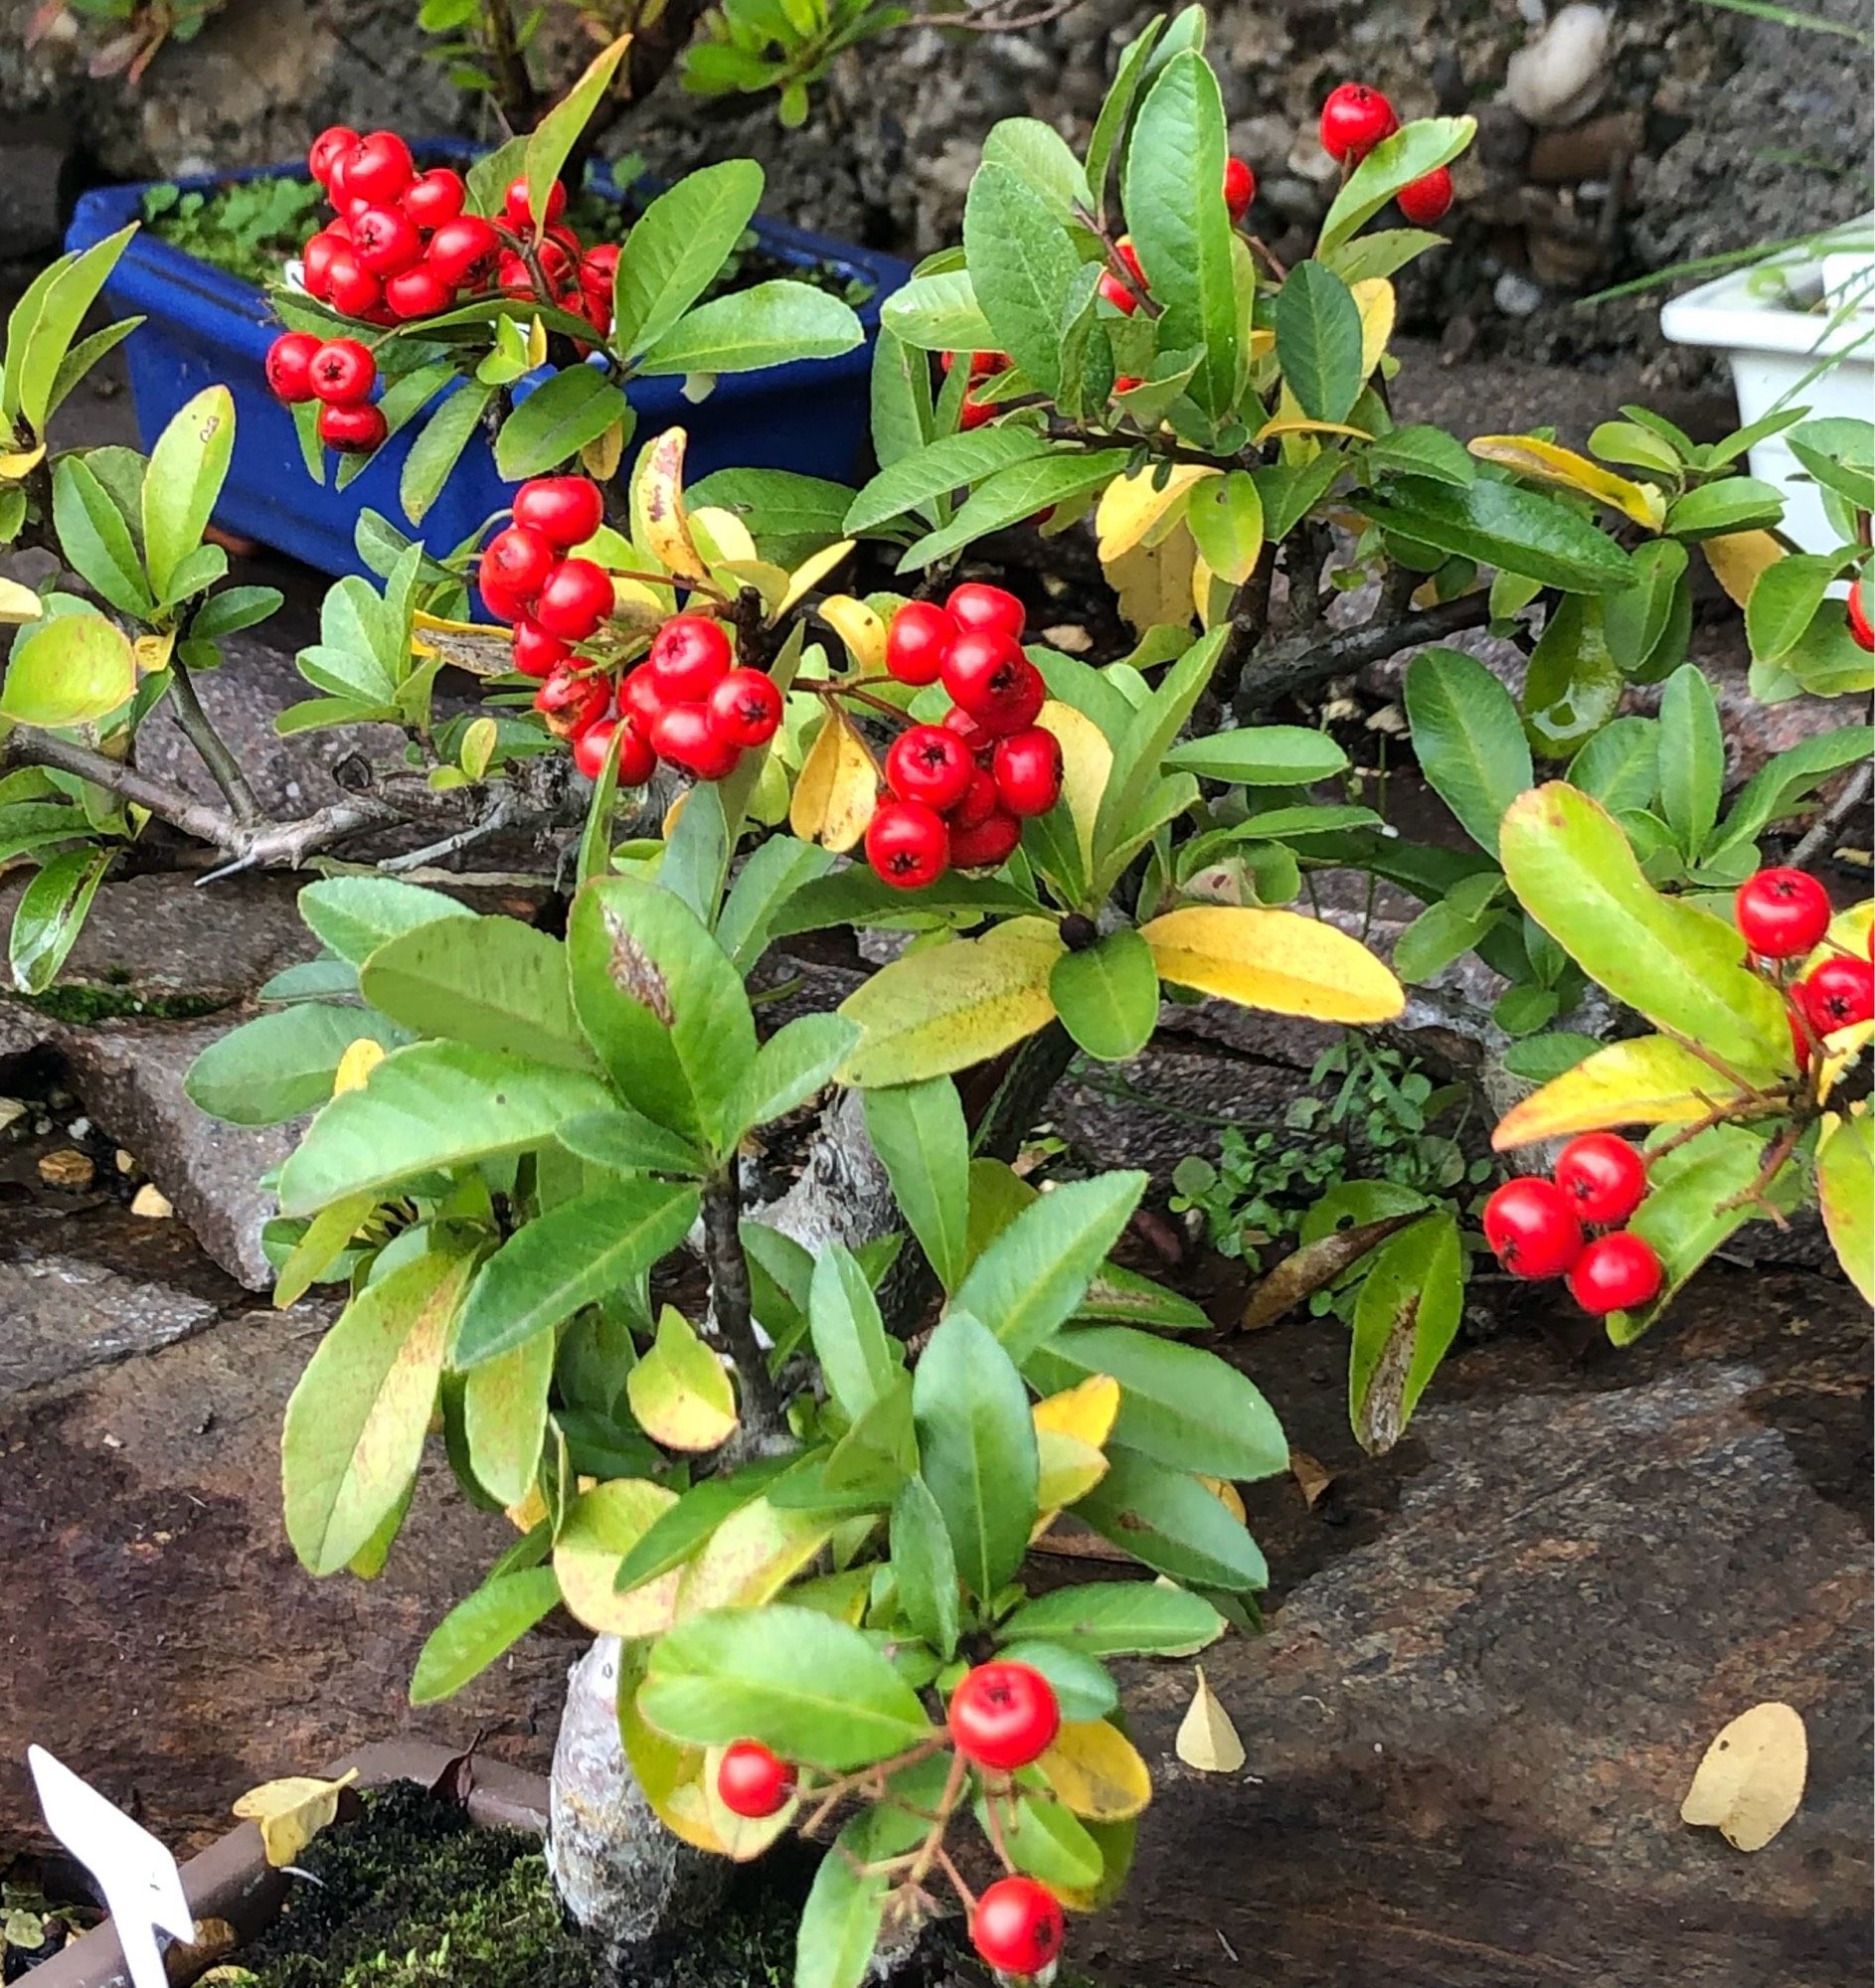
x: 151, y: 1204
x: 1559, y: 76
x: 10, y: 1110
x: 1515, y: 296
x: 67, y: 1168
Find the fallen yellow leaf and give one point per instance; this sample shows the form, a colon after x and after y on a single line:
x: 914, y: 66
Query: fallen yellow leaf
x: 1751, y: 1780
x: 292, y: 1812
x: 1206, y: 1739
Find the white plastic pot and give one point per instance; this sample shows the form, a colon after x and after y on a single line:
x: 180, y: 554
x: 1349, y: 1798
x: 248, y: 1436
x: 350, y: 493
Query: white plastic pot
x: 1807, y: 341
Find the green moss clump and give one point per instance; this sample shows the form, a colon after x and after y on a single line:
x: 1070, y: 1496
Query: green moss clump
x: 83, y: 1003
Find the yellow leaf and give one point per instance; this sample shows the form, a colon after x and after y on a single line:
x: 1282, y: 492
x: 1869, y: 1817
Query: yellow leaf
x: 811, y: 572
x: 1087, y: 762
x: 528, y: 1512
x: 657, y: 506
x: 361, y: 1057
x: 18, y: 604
x: 1751, y: 1780
x: 1841, y: 1052
x: 1845, y: 1190
x: 1278, y: 961
x: 680, y: 1390
x: 1096, y: 1771
x: 600, y: 459
x: 153, y: 652
x: 1738, y: 558
x: 768, y: 581
x: 1544, y: 462
x: 859, y: 627
x: 742, y: 1838
x: 1087, y: 1410
x: 603, y: 1525
x: 1154, y: 583
x: 1070, y: 1469
x: 1848, y: 932
x: 1377, y: 307
x: 721, y: 535
x: 836, y: 789
x: 1131, y: 506
x: 1227, y: 1495
x: 15, y: 464
x: 637, y: 605
x: 292, y: 1812
x: 537, y: 343
x: 670, y: 1773
x: 751, y: 1557
x: 1206, y: 1739
x: 1300, y: 425
x: 1650, y: 1080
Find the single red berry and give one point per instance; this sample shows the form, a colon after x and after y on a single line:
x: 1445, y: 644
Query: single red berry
x: 328, y: 148
x: 1531, y: 1228
x: 1603, y: 1177
x: 536, y: 653
x: 1782, y: 912
x: 592, y: 747
x: 1615, y: 1272
x: 637, y: 761
x: 350, y: 288
x: 574, y: 599
x: 979, y: 802
x: 416, y: 293
x: 983, y: 364
x: 386, y: 241
x: 1427, y: 199
x: 640, y: 699
x: 683, y: 734
x: 1861, y: 629
x: 315, y: 262
x: 1003, y: 1715
x: 1354, y: 120
x: 289, y: 366
x: 464, y: 252
x: 1799, y: 1038
x: 379, y: 168
x: 512, y: 275
x: 1028, y: 771
x: 1837, y: 993
x: 502, y: 605
x: 519, y: 561
x: 929, y: 765
x: 907, y: 845
x: 598, y: 269
x: 571, y: 701
x: 1018, y: 1926
x: 1127, y: 382
x: 915, y: 642
x: 972, y: 413
x: 689, y: 656
x: 746, y: 708
x: 353, y: 428
x: 974, y: 605
x: 990, y: 843
x: 342, y: 371
x: 435, y: 197
x: 989, y: 677
x: 751, y: 1781
x: 565, y: 510
x: 516, y: 210
x: 976, y: 740
x: 1121, y: 295
x: 1239, y: 187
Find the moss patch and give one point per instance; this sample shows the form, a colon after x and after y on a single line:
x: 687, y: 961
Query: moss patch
x: 81, y: 1003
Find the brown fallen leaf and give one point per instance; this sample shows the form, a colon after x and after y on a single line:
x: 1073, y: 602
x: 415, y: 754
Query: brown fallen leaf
x: 1312, y: 1266
x: 1206, y: 1739
x: 1751, y: 1780
x: 1312, y: 1476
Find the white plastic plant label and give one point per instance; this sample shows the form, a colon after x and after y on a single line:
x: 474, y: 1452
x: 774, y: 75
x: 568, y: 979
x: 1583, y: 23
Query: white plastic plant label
x: 138, y: 1877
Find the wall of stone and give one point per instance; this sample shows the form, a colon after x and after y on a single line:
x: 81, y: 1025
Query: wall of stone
x: 1632, y: 138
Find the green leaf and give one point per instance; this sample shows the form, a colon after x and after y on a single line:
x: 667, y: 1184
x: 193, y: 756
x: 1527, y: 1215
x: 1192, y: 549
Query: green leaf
x: 1022, y: 263
x: 1014, y: 494
x: 504, y: 1417
x: 551, y: 426
x: 857, y: 897
x: 1116, y: 111
x: 51, y: 913
x: 624, y: 1141
x: 1139, y: 757
x: 354, y: 915
x: 1048, y: 1841
x: 1410, y: 154
x: 430, y: 1106
x: 1029, y: 1278
x: 1506, y: 526
x: 1421, y: 450
x: 925, y: 1567
x: 1469, y: 739
x: 839, y: 1924
x: 1178, y: 1403
x: 1573, y: 687
x: 1172, y: 1524
x: 44, y: 323
x: 1783, y: 601
x: 437, y: 451
x: 1621, y: 765
x: 1845, y: 1186
x: 858, y: 1361
x: 1318, y: 341
x: 72, y: 670
x: 938, y: 313
x: 233, y: 610
x: 770, y: 874
x: 768, y: 324
x: 570, y: 1258
x: 1224, y: 515
x: 481, y: 1629
x: 1118, y: 1619
x: 920, y: 1134
x: 978, y: 1449
x: 790, y: 517
x: 1446, y: 930
x: 676, y: 247
x: 677, y: 1532
x: 1691, y: 757
x: 1107, y: 995
x: 83, y: 356
x: 1038, y: 154
x: 188, y: 466
x: 810, y: 1688
x: 947, y: 464
x: 1736, y: 504
x: 1405, y: 1320
x: 1778, y: 785
x: 794, y: 1063
x: 555, y: 136
x: 280, y: 1065
x: 1261, y: 755
x: 96, y: 537
x: 356, y: 1421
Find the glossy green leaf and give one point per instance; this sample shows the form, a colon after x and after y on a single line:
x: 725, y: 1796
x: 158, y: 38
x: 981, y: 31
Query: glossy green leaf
x: 51, y: 913
x: 1506, y: 526
x: 676, y: 247
x: 558, y: 132
x: 1318, y: 341
x: 282, y: 1064
x: 354, y: 915
x: 796, y: 1063
x: 1261, y: 755
x: 1845, y: 1186
x: 840, y: 1923
x: 1048, y: 1841
x: 858, y: 1360
x: 188, y: 466
x: 1172, y: 1524
x: 94, y: 536
x: 438, y: 448
x: 939, y: 313
x: 1691, y: 757
x: 920, y: 1134
x: 551, y: 426
x: 925, y: 1567
x: 1107, y: 995
x: 480, y: 1629
x: 768, y: 324
x: 1022, y: 262
x: 1410, y: 154
x: 1118, y: 1619
x: 1735, y: 504
x: 1469, y: 739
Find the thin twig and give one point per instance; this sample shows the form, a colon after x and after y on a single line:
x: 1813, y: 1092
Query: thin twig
x: 1292, y: 667
x: 199, y: 729
x: 1823, y: 832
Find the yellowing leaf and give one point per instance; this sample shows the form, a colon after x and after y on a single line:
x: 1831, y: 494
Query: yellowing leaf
x: 1096, y: 1771
x: 670, y: 1773
x: 1206, y: 1739
x: 1751, y: 1780
x: 1845, y: 1188
x: 1227, y: 1495
x: 600, y: 457
x: 18, y: 604
x: 751, y: 1557
x: 603, y: 1525
x: 1546, y: 463
x: 16, y: 463
x: 361, y: 1057
x: 1300, y: 425
x: 721, y: 535
x: 836, y: 789
x: 741, y: 1838
x: 680, y: 1390
x: 153, y: 652
x: 1086, y: 1411
x: 811, y: 572
x: 1070, y: 1469
x: 292, y: 1812
x: 657, y: 506
x: 1377, y: 306
x: 1153, y: 584
x: 1650, y: 1080
x: 1842, y: 1050
x: 862, y: 630
x: 1131, y: 506
x: 1738, y: 558
x: 1087, y: 762
x: 1278, y: 961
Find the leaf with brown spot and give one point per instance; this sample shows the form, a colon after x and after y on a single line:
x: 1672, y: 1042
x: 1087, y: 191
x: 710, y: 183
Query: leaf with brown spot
x: 1313, y: 1266
x: 634, y: 972
x: 1405, y: 1319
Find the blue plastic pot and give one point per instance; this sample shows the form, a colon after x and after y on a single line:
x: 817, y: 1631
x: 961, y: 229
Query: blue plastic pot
x: 203, y: 325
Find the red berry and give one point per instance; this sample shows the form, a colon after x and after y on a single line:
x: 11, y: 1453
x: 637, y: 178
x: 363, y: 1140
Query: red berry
x: 515, y: 207
x: 598, y: 269
x: 518, y: 560
x: 1127, y: 382
x: 1003, y: 1715
x: 1532, y: 1229
x: 434, y: 197
x: 979, y: 802
x: 328, y: 148
x: 536, y: 653
x: 1427, y: 199
x: 386, y: 241
x: 683, y: 734
x: 574, y: 599
x: 565, y: 510
x: 989, y: 677
x: 315, y: 262
x: 915, y: 642
x: 639, y: 697
x: 513, y: 277
x: 976, y: 740
x: 353, y: 428
x: 1124, y: 297
x: 342, y: 371
x: 1028, y: 770
x: 1017, y: 1926
x: 972, y: 413
x: 746, y: 708
x: 464, y: 252
x: 983, y: 364
x: 571, y: 702
x: 1615, y: 1273
x: 289, y: 366
x: 1782, y: 912
x: 350, y: 288
x: 907, y: 845
x: 1861, y: 629
x: 689, y: 656
x: 1354, y: 120
x: 636, y: 761
x: 974, y: 605
x: 592, y: 747
x: 1239, y: 187
x: 379, y: 168
x: 502, y: 605
x: 751, y: 1781
x: 1603, y: 1178
x: 417, y: 293
x: 991, y: 842
x: 929, y: 765
x: 1799, y: 1038
x: 1837, y: 993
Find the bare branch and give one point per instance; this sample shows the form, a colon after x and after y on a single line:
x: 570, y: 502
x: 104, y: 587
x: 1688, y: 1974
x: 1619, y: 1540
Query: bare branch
x: 199, y: 729
x: 1822, y: 831
x: 732, y: 1302
x: 1287, y: 669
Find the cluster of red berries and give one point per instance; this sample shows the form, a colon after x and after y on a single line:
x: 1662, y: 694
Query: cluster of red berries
x: 1785, y: 915
x: 1002, y: 1717
x: 1536, y: 1227
x: 959, y: 792
x: 1355, y: 118
x: 340, y: 373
